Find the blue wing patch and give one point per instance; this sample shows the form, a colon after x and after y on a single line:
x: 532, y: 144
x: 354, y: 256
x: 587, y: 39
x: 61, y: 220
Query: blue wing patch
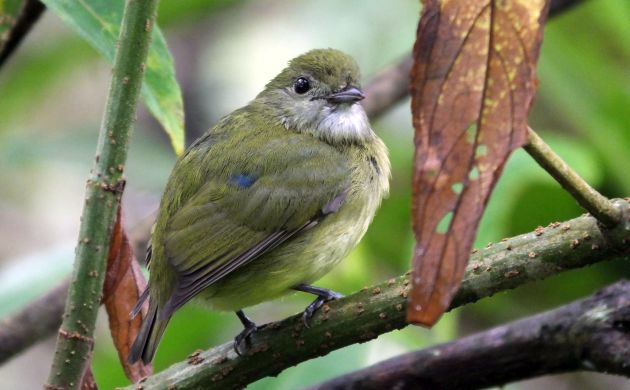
x: 243, y: 180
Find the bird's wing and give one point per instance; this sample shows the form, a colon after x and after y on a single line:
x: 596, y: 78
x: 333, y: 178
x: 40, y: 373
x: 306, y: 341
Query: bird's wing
x: 239, y: 214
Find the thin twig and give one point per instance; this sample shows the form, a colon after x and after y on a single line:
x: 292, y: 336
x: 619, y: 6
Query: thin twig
x: 595, y: 203
x: 379, y: 309
x: 591, y: 334
x: 104, y: 190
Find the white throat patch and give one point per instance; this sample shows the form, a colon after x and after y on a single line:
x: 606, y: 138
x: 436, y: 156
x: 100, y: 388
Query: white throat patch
x: 344, y: 123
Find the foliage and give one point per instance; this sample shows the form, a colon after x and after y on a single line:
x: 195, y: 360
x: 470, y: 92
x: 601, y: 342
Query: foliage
x: 98, y: 21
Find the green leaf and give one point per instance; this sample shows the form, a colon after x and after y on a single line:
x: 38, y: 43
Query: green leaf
x: 98, y: 22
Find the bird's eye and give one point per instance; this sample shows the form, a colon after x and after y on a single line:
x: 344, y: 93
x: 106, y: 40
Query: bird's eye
x: 301, y: 85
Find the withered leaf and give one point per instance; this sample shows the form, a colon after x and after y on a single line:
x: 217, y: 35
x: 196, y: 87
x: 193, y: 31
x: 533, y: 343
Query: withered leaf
x: 472, y: 85
x: 124, y: 283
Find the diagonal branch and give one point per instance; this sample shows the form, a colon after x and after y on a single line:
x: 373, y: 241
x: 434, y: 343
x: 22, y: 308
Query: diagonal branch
x: 364, y: 315
x: 591, y: 334
x: 387, y: 87
x: 37, y: 320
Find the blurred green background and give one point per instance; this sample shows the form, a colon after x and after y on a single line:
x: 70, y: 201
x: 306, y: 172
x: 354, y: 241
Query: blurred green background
x: 52, y: 94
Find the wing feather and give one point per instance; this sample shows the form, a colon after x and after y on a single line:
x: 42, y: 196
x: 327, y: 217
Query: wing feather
x: 194, y: 282
x: 227, y: 223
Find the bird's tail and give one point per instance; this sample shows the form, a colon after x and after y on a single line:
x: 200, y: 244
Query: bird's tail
x: 148, y: 338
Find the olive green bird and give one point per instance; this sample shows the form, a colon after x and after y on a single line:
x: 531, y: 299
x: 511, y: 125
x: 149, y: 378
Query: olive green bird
x: 268, y: 200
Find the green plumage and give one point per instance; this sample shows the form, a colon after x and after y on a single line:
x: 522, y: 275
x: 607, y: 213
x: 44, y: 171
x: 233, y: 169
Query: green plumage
x: 273, y: 196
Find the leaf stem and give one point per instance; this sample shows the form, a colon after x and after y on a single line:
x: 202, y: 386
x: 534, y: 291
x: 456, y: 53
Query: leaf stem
x: 103, y: 193
x: 595, y: 203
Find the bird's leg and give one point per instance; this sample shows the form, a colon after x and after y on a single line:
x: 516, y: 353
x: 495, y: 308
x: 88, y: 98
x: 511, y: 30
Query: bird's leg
x: 323, y: 295
x: 250, y: 327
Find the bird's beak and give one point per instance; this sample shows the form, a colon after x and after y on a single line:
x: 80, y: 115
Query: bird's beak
x: 350, y: 94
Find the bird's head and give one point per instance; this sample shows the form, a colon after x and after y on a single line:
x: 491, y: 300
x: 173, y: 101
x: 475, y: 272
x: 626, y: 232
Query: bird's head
x: 318, y: 93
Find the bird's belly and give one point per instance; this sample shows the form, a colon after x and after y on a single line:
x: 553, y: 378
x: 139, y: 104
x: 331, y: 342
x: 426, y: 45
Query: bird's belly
x: 304, y: 259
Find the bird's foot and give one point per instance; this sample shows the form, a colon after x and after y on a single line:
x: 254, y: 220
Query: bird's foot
x: 244, y: 336
x: 323, y: 295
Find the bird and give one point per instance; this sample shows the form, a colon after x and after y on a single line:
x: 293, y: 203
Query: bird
x: 268, y: 200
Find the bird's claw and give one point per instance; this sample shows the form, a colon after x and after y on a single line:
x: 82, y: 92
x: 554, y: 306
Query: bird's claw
x: 244, y: 336
x: 317, y: 303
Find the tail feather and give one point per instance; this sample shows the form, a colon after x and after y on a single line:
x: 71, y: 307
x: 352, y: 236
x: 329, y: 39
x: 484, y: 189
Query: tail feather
x: 148, y: 338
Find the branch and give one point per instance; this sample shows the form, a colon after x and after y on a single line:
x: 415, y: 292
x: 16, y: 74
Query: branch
x: 591, y: 334
x: 592, y: 201
x: 364, y: 315
x: 37, y: 320
x: 104, y: 190
x: 387, y: 87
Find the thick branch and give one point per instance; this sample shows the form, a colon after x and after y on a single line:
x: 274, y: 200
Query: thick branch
x: 104, y: 190
x: 591, y: 334
x: 592, y: 201
x: 376, y: 310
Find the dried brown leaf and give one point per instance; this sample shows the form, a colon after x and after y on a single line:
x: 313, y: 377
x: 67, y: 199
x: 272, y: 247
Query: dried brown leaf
x: 124, y: 283
x: 473, y: 82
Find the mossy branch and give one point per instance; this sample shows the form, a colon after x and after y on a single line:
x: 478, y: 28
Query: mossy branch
x: 365, y: 315
x: 103, y: 193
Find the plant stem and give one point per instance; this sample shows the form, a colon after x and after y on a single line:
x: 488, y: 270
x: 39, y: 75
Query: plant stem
x: 104, y: 190
x: 587, y: 197
x: 364, y: 315
x: 583, y: 335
